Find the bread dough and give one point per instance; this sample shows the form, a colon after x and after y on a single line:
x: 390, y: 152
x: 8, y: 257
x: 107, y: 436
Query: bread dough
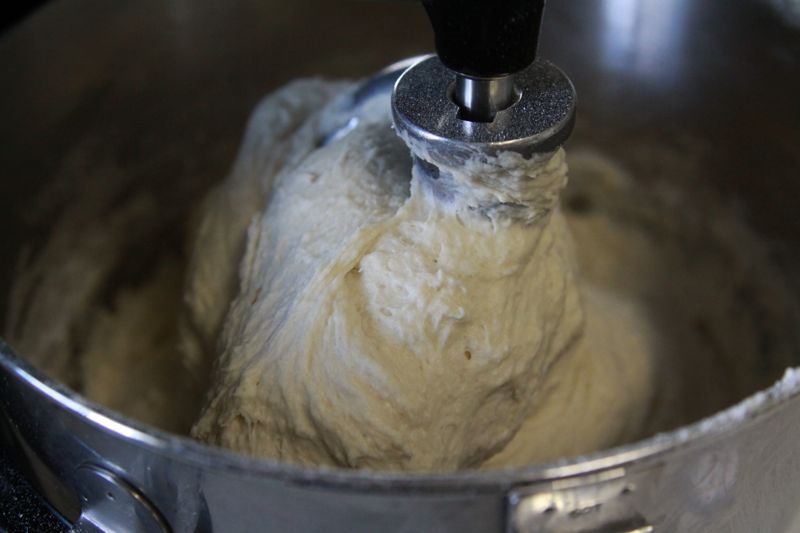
x: 396, y: 318
x: 498, y: 351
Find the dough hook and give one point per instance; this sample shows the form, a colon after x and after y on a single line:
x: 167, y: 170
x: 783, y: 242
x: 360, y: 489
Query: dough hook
x: 380, y: 84
x: 485, y: 92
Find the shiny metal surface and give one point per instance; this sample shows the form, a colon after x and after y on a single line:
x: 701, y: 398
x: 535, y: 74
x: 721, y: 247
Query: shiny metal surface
x: 480, y: 99
x: 155, y: 93
x: 485, y: 45
x: 709, y: 477
x: 109, y: 503
x: 427, y: 118
x: 380, y: 84
x: 600, y: 504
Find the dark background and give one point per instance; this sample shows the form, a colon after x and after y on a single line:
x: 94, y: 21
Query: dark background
x: 16, y: 10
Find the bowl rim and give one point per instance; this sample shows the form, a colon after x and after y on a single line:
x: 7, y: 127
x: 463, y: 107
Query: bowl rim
x: 748, y: 411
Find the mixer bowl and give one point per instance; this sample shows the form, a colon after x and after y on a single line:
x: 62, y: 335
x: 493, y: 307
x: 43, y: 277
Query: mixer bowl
x: 669, y: 90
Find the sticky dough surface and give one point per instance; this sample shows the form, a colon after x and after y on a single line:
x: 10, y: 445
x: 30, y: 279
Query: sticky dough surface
x: 383, y: 317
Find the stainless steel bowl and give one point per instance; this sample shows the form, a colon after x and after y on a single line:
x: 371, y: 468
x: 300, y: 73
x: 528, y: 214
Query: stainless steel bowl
x: 158, y: 92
